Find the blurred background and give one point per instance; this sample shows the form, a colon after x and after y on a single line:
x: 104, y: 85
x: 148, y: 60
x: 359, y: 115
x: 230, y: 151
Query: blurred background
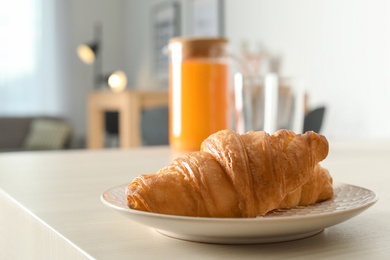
x: 337, y: 49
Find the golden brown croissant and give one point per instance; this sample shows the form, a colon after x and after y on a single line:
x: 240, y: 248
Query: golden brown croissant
x: 233, y: 175
x: 317, y: 189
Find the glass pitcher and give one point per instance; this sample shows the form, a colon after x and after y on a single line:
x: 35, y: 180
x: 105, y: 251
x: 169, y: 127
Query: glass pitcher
x: 211, y: 89
x: 198, y: 90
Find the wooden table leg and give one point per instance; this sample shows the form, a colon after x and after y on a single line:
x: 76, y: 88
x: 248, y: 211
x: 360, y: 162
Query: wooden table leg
x: 95, y: 136
x: 129, y: 121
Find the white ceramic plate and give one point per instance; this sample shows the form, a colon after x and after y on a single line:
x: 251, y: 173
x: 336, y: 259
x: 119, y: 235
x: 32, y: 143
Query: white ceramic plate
x: 278, y: 226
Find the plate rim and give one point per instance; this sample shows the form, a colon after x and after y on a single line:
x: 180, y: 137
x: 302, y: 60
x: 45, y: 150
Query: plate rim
x: 255, y: 219
x: 258, y: 230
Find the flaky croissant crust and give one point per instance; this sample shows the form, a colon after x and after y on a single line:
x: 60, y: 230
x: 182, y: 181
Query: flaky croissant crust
x: 237, y: 175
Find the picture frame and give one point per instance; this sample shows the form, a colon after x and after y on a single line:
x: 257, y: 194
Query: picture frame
x: 208, y: 18
x: 166, y: 25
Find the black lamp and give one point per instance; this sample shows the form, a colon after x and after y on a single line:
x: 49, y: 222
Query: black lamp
x: 89, y: 54
x: 117, y: 80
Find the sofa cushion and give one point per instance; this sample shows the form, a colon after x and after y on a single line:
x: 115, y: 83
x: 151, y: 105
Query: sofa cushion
x: 47, y: 134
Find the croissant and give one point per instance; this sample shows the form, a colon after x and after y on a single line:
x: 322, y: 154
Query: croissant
x: 236, y: 176
x: 317, y: 189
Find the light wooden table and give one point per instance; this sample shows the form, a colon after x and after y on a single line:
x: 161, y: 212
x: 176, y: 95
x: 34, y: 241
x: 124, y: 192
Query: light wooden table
x: 129, y: 104
x: 50, y: 208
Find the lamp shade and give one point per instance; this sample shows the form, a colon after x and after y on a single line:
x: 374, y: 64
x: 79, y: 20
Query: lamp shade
x: 87, y: 52
x: 117, y: 81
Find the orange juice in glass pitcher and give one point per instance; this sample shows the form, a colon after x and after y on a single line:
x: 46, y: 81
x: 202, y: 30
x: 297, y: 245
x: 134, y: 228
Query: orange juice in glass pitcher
x: 198, y: 90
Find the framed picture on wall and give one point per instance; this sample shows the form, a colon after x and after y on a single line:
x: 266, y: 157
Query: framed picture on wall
x: 166, y: 25
x: 208, y: 17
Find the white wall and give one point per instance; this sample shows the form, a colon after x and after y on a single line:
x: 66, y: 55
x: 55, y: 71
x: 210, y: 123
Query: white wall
x: 339, y: 48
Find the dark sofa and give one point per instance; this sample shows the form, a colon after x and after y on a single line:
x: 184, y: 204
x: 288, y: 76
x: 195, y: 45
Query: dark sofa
x: 34, y: 133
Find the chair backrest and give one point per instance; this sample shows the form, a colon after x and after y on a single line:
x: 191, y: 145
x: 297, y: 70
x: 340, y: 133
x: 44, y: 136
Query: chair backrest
x: 154, y: 126
x: 314, y: 119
